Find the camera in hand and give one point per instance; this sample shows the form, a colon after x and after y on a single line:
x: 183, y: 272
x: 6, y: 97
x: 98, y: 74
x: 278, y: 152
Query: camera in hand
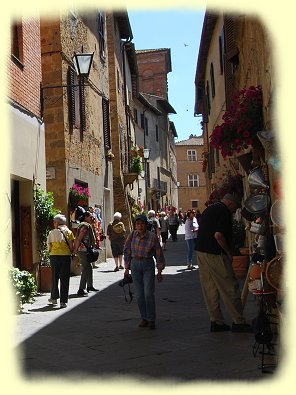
x: 126, y: 280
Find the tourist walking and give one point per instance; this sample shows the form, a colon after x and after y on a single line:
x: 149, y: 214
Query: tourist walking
x: 214, y: 251
x: 60, y: 247
x: 153, y: 223
x: 85, y: 239
x: 116, y: 233
x: 140, y: 250
x: 191, y: 228
x: 174, y: 223
x: 164, y: 229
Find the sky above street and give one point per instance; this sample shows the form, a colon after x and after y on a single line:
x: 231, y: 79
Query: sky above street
x: 180, y: 31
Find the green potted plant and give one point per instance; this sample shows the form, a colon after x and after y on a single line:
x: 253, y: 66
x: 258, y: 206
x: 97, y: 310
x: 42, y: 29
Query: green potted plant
x: 136, y: 165
x: 24, y: 286
x: 44, y: 213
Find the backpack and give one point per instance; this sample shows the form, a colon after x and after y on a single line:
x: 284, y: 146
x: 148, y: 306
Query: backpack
x: 118, y: 228
x: 151, y: 225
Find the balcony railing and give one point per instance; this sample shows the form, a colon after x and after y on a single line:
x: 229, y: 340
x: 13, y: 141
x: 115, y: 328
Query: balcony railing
x: 160, y: 186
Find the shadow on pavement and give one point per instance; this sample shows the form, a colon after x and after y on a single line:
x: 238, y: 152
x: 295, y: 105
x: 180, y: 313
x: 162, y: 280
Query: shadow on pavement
x: 100, y: 337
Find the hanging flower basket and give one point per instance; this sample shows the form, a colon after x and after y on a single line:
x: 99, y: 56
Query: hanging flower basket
x: 241, y: 123
x: 140, y: 151
x: 134, y: 151
x: 78, y: 195
x: 137, y: 151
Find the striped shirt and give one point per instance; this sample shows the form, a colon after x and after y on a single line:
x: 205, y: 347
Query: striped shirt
x: 140, y: 247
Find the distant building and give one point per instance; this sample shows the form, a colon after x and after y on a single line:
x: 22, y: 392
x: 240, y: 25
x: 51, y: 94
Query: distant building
x: 191, y: 178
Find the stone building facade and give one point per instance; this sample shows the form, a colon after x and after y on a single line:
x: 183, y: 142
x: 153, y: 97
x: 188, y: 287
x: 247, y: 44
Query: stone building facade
x: 74, y: 133
x: 153, y: 68
x: 192, y: 192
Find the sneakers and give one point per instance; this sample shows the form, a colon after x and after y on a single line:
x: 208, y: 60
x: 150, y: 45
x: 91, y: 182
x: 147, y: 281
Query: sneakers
x: 121, y: 267
x: 241, y: 328
x: 91, y: 289
x: 63, y: 305
x: 52, y: 301
x: 81, y: 292
x: 219, y: 327
x: 116, y: 269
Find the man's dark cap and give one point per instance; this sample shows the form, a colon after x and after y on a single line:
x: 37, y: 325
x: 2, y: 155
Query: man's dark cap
x: 141, y: 217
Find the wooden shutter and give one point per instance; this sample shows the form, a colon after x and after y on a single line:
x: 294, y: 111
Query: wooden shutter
x: 71, y: 97
x: 82, y: 106
x: 142, y: 121
x: 213, y: 88
x: 231, y: 56
x: 106, y: 123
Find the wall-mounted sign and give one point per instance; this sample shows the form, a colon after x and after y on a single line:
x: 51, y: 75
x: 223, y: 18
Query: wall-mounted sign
x: 50, y: 173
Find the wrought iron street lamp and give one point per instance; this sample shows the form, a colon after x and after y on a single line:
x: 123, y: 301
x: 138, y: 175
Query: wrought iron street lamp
x: 82, y: 63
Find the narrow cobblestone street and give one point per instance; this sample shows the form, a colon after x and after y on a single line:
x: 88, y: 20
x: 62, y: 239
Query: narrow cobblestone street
x: 98, y: 336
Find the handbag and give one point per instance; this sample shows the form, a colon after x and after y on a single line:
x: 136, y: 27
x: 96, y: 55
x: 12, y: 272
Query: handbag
x: 92, y: 255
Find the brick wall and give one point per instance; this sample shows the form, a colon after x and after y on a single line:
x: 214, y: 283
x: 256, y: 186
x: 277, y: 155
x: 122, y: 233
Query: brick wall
x: 153, y: 72
x: 25, y: 78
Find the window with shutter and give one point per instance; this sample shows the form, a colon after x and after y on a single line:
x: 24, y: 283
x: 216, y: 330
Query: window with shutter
x: 82, y: 106
x: 231, y: 57
x: 142, y: 121
x: 101, y: 35
x: 106, y: 123
x: 212, y: 80
x: 71, y: 98
x: 208, y: 98
x: 135, y: 115
x: 17, y: 41
x: 221, y: 51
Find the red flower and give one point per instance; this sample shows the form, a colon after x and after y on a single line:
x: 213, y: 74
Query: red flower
x: 241, y: 122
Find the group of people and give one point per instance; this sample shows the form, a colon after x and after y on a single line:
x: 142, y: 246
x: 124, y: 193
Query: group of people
x: 211, y: 236
x: 62, y: 245
x: 142, y: 251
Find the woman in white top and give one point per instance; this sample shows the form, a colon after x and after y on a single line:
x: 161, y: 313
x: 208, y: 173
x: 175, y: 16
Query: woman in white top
x: 164, y: 229
x: 191, y: 228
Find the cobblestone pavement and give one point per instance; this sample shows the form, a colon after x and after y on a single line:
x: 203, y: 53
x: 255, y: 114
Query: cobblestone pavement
x: 97, y: 337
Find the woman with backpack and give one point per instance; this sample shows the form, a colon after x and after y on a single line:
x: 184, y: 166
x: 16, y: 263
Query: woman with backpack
x: 85, y: 239
x: 116, y: 233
